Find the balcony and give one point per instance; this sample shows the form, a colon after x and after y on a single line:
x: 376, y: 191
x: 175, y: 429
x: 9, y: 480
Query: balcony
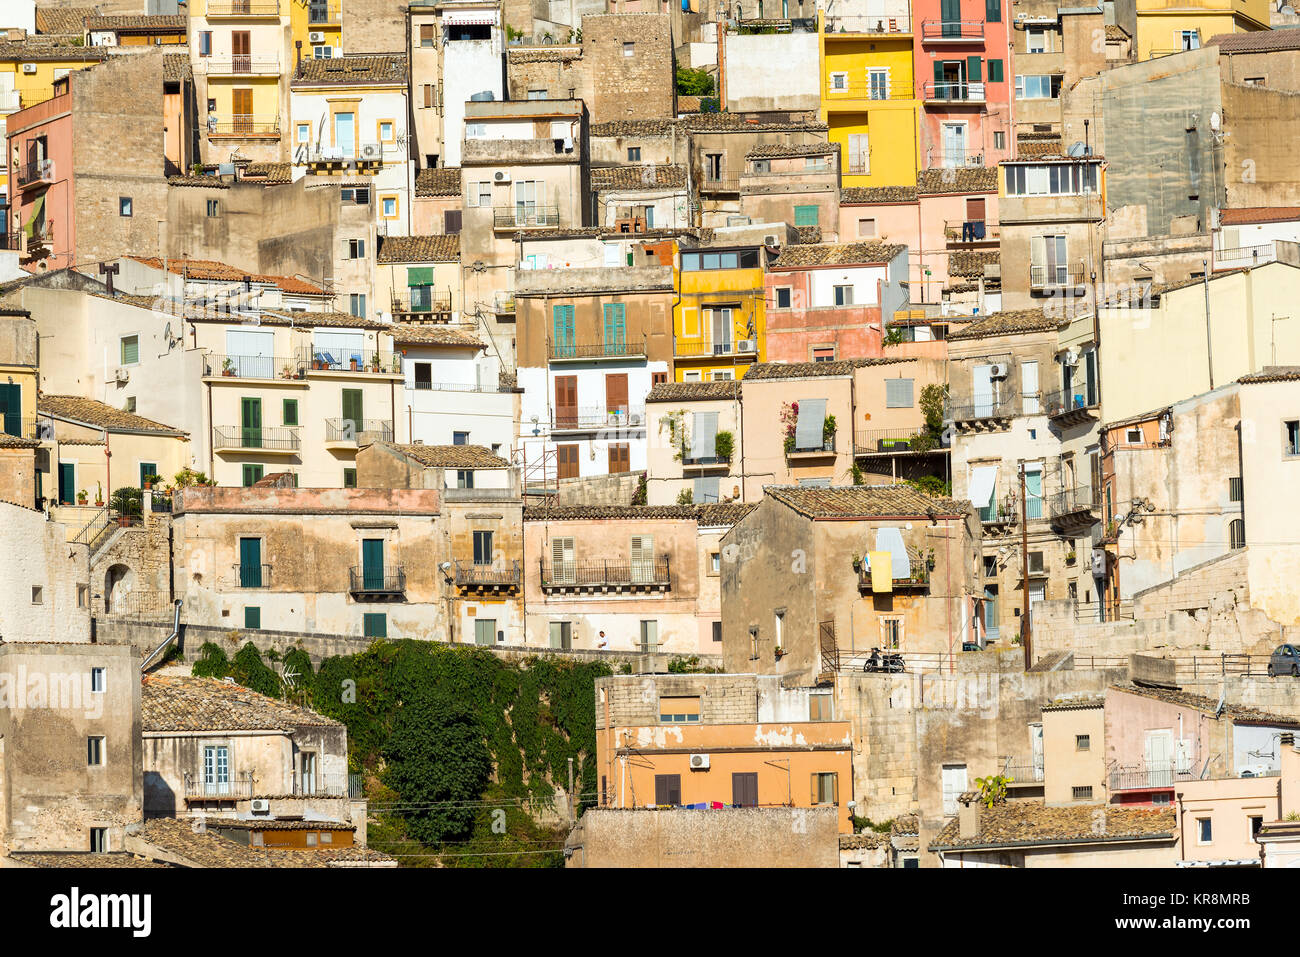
x: 1241, y: 256
x: 525, y: 217
x: 706, y: 348
x: 428, y: 385
x: 377, y: 583
x: 1074, y: 508
x: 11, y: 241
x: 1147, y: 777
x: 1005, y: 512
x: 240, y: 66
x: 324, y: 14
x: 242, y: 9
x: 798, y: 453
x: 952, y: 91
x: 952, y: 31
x: 503, y: 304
x: 874, y: 26
x: 1067, y: 407
x: 351, y: 361
x: 1051, y: 278
x: 969, y: 232
x: 253, y: 367
x: 1022, y: 769
x: 637, y: 575
x: 872, y: 442
x: 327, y: 159
x: 421, y: 308
x: 719, y: 184
x: 619, y: 348
x: 918, y: 578
x: 705, y: 463
x: 597, y: 419
x: 253, y: 575
x: 354, y: 433
x: 211, y: 787
x: 986, y: 412
x: 36, y: 173
x: 497, y: 578
x: 272, y: 440
x: 327, y: 785
x: 864, y: 90
x: 244, y: 126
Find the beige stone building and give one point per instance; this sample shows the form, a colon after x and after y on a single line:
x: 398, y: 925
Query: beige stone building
x: 695, y: 442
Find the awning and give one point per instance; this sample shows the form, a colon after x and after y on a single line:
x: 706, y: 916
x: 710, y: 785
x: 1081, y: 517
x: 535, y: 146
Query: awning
x: 30, y: 225
x: 705, y: 438
x: 467, y: 19
x: 419, y: 276
x: 890, y: 539
x: 982, y: 480
x: 808, y: 430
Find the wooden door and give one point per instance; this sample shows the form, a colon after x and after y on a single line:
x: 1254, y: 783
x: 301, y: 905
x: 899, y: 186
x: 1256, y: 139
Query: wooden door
x: 240, y: 52
x: 566, y: 461
x: 744, y: 789
x: 620, y: 458
x: 566, y: 401
x: 241, y: 105
x: 616, y: 393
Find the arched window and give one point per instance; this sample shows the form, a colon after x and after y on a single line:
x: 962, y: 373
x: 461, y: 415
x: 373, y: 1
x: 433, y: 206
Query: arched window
x: 1237, y: 533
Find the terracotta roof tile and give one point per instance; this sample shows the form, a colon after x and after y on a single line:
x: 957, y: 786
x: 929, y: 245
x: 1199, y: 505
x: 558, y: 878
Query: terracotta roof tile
x: 1030, y: 147
x: 419, y: 249
x: 1272, y: 374
x: 808, y: 370
x: 863, y: 501
x: 807, y: 235
x: 713, y: 514
x: 878, y: 194
x: 444, y: 181
x: 1258, y: 214
x: 957, y: 179
x: 100, y: 414
x: 50, y: 48
x: 207, y: 182
x: 434, y: 335
x: 1016, y: 322
x: 64, y: 20
x: 970, y: 263
x: 1027, y: 824
x: 451, y: 456
x: 834, y: 254
x: 177, y: 68
x: 206, y: 848
x: 204, y: 704
x: 629, y: 178
x: 1207, y: 705
x: 634, y: 128
x: 269, y: 172
x: 81, y: 859
x: 779, y: 150
x: 153, y: 23
x: 741, y: 122
x: 350, y: 69
x: 210, y: 269
x: 717, y: 514
x: 1258, y: 41
x: 693, y: 391
x: 1115, y: 32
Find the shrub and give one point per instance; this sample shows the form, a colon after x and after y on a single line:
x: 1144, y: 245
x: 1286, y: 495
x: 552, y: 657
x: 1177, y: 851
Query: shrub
x: 126, y: 500
x: 724, y: 445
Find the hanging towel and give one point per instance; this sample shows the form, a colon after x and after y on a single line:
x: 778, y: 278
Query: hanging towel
x: 882, y: 577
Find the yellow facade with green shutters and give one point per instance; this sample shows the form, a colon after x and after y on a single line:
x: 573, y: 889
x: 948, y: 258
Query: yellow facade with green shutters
x: 1164, y: 26
x: 718, y: 322
x: 868, y: 100
x: 315, y: 25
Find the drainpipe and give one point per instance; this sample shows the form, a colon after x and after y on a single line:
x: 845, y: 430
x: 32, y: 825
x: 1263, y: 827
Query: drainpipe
x: 1209, y: 345
x: 176, y: 630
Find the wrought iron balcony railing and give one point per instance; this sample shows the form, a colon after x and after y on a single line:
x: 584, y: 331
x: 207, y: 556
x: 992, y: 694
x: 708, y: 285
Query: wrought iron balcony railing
x: 253, y: 575
x: 953, y: 91
x: 217, y: 786
x: 1147, y: 776
x: 951, y: 30
x: 597, y: 418
x: 525, y: 217
x: 253, y: 367
x: 326, y: 359
x: 360, y: 431
x: 37, y: 171
x: 268, y: 439
x: 1069, y: 402
x: 242, y: 8
x: 240, y: 66
x: 1055, y: 277
x: 653, y: 574
x: 1081, y: 500
x: 505, y: 575
x: 377, y: 581
x: 243, y: 124
x: 869, y: 24
x: 621, y: 347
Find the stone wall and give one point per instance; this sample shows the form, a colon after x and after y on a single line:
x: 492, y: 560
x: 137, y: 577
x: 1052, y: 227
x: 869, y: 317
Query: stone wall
x: 636, y: 87
x: 374, y: 26
x: 634, y: 700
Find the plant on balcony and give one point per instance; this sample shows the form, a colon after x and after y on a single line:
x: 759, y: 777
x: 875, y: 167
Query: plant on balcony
x: 723, y: 446
x: 789, y: 419
x: 993, y: 790
x: 228, y: 367
x: 934, y: 398
x: 828, y: 429
x: 286, y: 372
x: 81, y: 497
x: 1070, y: 557
x: 857, y: 564
x: 931, y: 485
x: 678, y: 435
x: 99, y: 494
x: 149, y: 481
x: 929, y: 560
x: 374, y: 363
x: 856, y: 474
x: 126, y: 501
x: 894, y: 336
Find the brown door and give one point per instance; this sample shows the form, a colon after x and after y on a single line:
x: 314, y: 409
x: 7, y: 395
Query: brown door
x: 616, y: 392
x: 620, y: 458
x: 744, y: 789
x: 242, y: 107
x: 566, y: 401
x: 240, y: 50
x: 566, y: 461
x: 975, y: 210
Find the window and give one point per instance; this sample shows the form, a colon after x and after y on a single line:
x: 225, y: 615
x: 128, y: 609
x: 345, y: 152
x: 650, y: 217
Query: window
x: 1082, y: 742
x: 356, y: 249
x: 322, y: 53
x: 891, y: 633
x: 1081, y: 793
x: 954, y: 786
x: 1051, y: 179
x: 83, y: 596
x: 1189, y: 39
x: 805, y: 215
x: 475, y: 131
x: 205, y: 43
x: 214, y: 207
x: 649, y: 637
x: 629, y: 49
x: 1133, y: 436
x: 783, y: 296
x: 744, y: 788
x: 464, y: 478
x: 878, y: 83
x: 99, y: 840
x: 357, y: 304
x: 825, y: 787
x: 482, y: 548
x: 252, y: 617
x: 715, y: 563
x: 389, y: 206
x: 859, y: 154
x: 386, y: 131
x: 1234, y: 488
x: 485, y: 631
x: 668, y: 789
x: 999, y: 136
x: 717, y: 631
x: 823, y: 354
x: 460, y: 438
x: 349, y: 478
x: 374, y: 624
x: 899, y: 393
x: 562, y: 634
x: 1292, y: 446
x: 679, y: 709
x: 734, y: 259
x: 995, y: 71
x: 1237, y: 533
x: 634, y: 154
x: 1038, y: 86
x: 38, y: 595
x: 839, y: 81
x: 821, y: 707
x: 778, y: 628
x: 290, y: 411
x: 1204, y: 830
x: 1035, y: 558
x: 426, y: 34
x: 252, y: 474
x: 538, y: 94
x: 95, y: 751
x: 1255, y: 822
x: 148, y: 472
x: 866, y: 228
x: 130, y: 350
x: 124, y: 206
x: 1161, y: 798
x: 1036, y: 41
x: 843, y: 295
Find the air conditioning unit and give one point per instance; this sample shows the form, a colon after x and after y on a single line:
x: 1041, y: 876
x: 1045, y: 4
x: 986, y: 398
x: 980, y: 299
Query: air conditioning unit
x: 261, y: 806
x: 29, y: 67
x: 121, y: 375
x: 501, y: 177
x: 699, y: 762
x: 1072, y: 357
x: 746, y: 345
x: 372, y: 151
x: 998, y: 370
x: 316, y: 37
x: 1098, y: 562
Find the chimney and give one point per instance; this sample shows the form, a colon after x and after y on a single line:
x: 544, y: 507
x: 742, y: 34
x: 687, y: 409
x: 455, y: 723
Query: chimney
x: 297, y: 62
x: 968, y: 818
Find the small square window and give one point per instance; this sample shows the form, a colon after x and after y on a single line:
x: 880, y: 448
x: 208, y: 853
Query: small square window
x: 1081, y: 793
x: 214, y: 207
x: 389, y: 207
x: 634, y: 154
x: 1256, y: 822
x: 843, y: 295
x: 715, y: 562
x: 1204, y: 830
x: 1133, y: 436
x: 1082, y: 742
x: 717, y: 631
x: 83, y: 596
x: 784, y: 295
x: 386, y: 131
x: 349, y: 478
x: 356, y: 249
x: 866, y: 228
x: 38, y: 595
x: 95, y: 751
x: 130, y: 350
x: 97, y: 678
x: 374, y: 625
x: 304, y: 132
x: 629, y: 49
x: 99, y: 840
x: 252, y: 617
x: 124, y: 206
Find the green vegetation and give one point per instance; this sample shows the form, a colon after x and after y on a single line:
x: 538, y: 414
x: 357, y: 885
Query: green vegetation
x: 993, y: 790
x: 692, y: 82
x: 686, y: 497
x: 689, y: 666
x: 126, y: 500
x: 724, y: 445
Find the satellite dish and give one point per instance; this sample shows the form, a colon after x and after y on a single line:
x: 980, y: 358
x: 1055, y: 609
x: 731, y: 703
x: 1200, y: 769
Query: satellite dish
x: 1077, y: 149
x: 1214, y: 121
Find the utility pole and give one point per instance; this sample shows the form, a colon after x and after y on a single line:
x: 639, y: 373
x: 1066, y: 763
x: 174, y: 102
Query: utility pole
x: 1026, y: 629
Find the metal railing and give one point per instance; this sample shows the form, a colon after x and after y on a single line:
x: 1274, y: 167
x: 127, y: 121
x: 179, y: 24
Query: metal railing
x: 1102, y: 611
x: 1022, y: 770
x: 41, y: 170
x: 598, y: 418
x: 243, y: 124
x: 360, y: 431
x: 421, y: 305
x: 243, y: 8
x: 952, y: 30
x: 254, y: 575
x: 866, y: 90
x: 969, y: 230
x: 323, y: 14
x: 367, y: 153
x: 825, y: 445
x: 918, y: 576
x: 12, y: 240
x: 390, y: 581
x: 1140, y: 777
x: 1077, y: 500
x: 41, y: 234
x: 510, y: 217
x: 240, y: 65
x: 24, y: 427
x: 889, y: 441
x: 253, y: 367
x: 198, y: 785
x: 351, y: 360
x: 720, y: 184
x: 869, y: 24
x: 991, y: 407
x: 739, y: 347
x: 1064, y: 401
x: 1256, y: 255
x: 1055, y: 277
x: 326, y: 785
x: 137, y: 605
x: 500, y: 574
x: 953, y: 90
x: 617, y: 348
x: 425, y: 385
x: 636, y: 573
x: 96, y: 530
x: 270, y: 438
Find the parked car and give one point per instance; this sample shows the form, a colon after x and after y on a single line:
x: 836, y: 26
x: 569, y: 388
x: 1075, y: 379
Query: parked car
x: 1285, y: 660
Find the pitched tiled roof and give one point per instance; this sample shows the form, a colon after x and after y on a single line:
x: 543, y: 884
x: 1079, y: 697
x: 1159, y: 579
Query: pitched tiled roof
x: 1258, y: 214
x: 1206, y: 705
x: 451, y: 456
x: 971, y: 263
x: 957, y: 179
x: 634, y: 128
x: 444, y: 181
x: 807, y: 235
x: 210, y: 269
x: 64, y: 20
x: 1075, y: 702
x: 835, y: 254
x: 434, y: 335
x: 863, y: 501
x: 779, y: 150
x: 156, y: 23
x: 349, y: 69
x: 693, y: 391
x: 809, y: 370
x: 204, y: 704
x: 1016, y: 322
x: 1272, y: 374
x: 713, y: 514
x: 205, y: 848
x: 177, y: 68
x: 1258, y: 41
x: 99, y: 414
x: 1034, y: 145
x: 1115, y: 32
x: 419, y: 249
x: 207, y: 182
x: 878, y: 194
x: 47, y: 48
x: 280, y: 824
x: 661, y: 176
x: 311, y: 320
x: 1026, y: 824
x: 8, y: 441
x: 81, y: 859
x: 269, y: 172
x: 742, y: 122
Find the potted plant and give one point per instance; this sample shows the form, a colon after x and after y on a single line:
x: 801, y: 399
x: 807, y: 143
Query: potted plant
x: 857, y: 564
x: 286, y: 372
x: 1070, y: 557
x: 354, y: 362
x: 828, y: 432
x: 929, y: 560
x: 780, y: 652
x: 374, y: 363
x: 81, y: 497
x: 228, y: 367
x: 723, y: 446
x: 99, y: 494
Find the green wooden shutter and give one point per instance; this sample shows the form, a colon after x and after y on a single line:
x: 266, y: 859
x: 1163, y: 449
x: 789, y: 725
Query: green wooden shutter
x: 250, y: 421
x: 67, y: 483
x: 353, y: 408
x: 250, y: 563
x: 290, y: 411
x: 974, y: 73
x: 805, y: 215
x: 147, y: 469
x: 995, y: 71
x: 993, y: 11
x: 130, y: 350
x: 419, y: 276
x: 11, y: 408
x: 372, y: 563
x: 938, y: 73
x: 615, y: 326
x: 375, y: 624
x: 562, y: 329
x: 252, y: 617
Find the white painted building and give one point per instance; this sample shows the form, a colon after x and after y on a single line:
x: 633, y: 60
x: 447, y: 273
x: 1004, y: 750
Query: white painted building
x: 1250, y: 237
x: 473, y: 65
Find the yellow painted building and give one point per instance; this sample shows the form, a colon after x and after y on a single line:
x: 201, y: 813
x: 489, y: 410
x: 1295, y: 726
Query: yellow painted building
x: 868, y: 101
x: 318, y: 25
x: 1171, y: 26
x: 719, y: 325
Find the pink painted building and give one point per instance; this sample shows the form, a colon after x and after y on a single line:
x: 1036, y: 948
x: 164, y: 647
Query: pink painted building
x: 40, y: 174
x: 964, y: 79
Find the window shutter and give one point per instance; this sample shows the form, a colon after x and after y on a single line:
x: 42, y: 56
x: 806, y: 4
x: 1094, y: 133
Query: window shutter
x: 451, y: 222
x: 995, y: 71
x: 815, y: 795
x: 974, y: 72
x: 993, y: 12
x: 808, y: 428
x: 1037, y: 250
x: 938, y: 71
x: 419, y: 276
x: 898, y: 393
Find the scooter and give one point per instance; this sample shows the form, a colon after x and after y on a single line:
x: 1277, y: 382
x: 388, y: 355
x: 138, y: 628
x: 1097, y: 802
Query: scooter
x: 888, y: 662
